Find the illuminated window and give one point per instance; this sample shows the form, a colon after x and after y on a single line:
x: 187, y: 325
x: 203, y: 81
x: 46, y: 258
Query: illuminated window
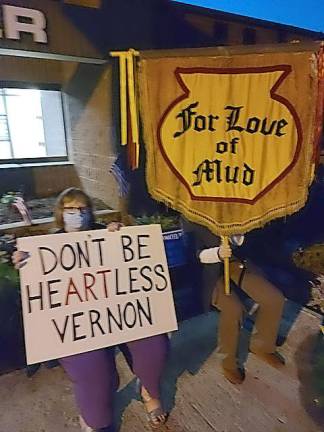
x: 31, y: 125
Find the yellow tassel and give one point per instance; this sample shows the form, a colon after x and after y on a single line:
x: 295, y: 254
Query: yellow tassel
x: 132, y: 104
x: 128, y: 95
x: 122, y: 93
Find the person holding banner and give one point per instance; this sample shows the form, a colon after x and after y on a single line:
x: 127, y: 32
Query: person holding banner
x: 94, y: 374
x: 246, y: 281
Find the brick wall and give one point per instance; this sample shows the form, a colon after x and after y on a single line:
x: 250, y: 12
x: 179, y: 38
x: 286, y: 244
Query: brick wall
x: 87, y: 94
x: 92, y: 132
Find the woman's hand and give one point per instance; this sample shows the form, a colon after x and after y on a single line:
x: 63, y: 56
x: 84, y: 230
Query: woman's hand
x: 20, y: 258
x: 114, y: 226
x: 224, y: 251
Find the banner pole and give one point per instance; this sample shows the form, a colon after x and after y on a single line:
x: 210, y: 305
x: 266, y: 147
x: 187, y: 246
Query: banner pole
x: 225, y: 242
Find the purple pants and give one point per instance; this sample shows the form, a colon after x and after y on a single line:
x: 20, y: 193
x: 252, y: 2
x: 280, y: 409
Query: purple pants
x: 95, y: 378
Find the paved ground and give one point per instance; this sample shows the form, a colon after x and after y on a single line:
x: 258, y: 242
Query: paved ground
x: 200, y: 399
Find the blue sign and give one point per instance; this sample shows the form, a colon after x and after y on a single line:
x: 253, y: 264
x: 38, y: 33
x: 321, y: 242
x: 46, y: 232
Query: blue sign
x: 175, y: 248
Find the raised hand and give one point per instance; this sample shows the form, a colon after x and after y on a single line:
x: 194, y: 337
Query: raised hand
x: 20, y: 258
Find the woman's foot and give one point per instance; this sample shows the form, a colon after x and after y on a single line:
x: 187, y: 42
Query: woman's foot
x: 86, y: 428
x: 155, y: 414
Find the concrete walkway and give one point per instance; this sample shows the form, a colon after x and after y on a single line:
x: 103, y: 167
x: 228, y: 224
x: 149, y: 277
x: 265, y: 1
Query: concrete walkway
x: 200, y: 399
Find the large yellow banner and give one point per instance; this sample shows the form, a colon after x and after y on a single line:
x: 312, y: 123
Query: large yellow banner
x: 230, y: 139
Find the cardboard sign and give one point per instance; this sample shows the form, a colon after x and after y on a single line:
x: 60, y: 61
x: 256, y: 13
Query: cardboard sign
x: 88, y: 290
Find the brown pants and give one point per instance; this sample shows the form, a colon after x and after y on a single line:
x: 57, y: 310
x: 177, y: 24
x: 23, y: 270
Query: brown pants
x: 270, y: 301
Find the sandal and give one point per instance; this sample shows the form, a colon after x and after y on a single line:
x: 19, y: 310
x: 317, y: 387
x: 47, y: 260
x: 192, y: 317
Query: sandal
x: 156, y: 417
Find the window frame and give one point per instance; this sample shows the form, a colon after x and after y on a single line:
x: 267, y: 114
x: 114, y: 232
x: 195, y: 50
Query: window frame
x: 39, y: 160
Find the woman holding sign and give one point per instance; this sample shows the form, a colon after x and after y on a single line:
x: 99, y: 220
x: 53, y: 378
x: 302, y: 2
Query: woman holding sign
x: 94, y: 374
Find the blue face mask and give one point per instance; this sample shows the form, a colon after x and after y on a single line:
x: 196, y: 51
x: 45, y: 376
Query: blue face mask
x: 77, y: 220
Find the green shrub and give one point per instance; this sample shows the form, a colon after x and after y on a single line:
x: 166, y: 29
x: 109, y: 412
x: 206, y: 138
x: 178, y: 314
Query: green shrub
x: 8, y: 274
x: 168, y: 223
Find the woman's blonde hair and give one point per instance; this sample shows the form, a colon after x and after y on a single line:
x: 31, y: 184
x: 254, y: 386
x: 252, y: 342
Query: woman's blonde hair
x: 67, y: 196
